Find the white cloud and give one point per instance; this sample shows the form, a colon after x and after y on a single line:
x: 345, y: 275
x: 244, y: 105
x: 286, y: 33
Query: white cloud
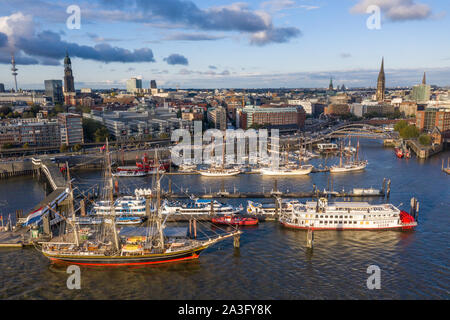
x: 279, y: 5
x: 396, y: 10
x: 17, y: 26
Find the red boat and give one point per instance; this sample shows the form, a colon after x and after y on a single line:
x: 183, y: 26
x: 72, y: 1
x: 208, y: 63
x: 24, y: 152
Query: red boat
x: 145, y: 165
x: 407, y: 154
x: 235, y: 221
x: 399, y: 153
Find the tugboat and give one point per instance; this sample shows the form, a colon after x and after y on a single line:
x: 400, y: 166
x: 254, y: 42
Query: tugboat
x: 142, y: 168
x: 399, y: 153
x: 235, y: 221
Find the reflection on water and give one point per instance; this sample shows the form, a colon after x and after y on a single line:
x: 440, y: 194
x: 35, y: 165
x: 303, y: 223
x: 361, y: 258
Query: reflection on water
x: 272, y: 262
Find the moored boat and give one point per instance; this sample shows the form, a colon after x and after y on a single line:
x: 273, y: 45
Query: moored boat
x: 287, y: 171
x: 321, y: 215
x: 235, y: 221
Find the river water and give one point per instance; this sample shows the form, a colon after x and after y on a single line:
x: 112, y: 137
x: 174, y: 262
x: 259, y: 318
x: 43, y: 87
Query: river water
x: 272, y: 262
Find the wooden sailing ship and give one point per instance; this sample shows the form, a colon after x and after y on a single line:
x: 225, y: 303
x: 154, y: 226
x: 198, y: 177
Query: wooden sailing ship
x: 111, y: 249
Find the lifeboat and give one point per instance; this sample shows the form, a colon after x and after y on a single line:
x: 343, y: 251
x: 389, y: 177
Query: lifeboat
x: 235, y: 221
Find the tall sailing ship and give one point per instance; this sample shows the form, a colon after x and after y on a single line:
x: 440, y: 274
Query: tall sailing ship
x: 349, y: 166
x: 108, y: 248
x: 219, y: 171
x: 289, y: 169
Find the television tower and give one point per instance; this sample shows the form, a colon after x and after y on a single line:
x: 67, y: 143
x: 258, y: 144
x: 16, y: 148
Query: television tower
x: 14, y: 70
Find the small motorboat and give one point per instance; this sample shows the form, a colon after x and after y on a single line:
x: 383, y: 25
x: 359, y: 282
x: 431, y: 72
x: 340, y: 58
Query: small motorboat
x: 235, y: 221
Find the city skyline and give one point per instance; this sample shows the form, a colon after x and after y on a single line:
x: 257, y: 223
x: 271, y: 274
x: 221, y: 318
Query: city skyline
x: 257, y: 44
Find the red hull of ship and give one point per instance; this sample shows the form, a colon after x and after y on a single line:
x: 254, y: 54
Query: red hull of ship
x: 235, y: 221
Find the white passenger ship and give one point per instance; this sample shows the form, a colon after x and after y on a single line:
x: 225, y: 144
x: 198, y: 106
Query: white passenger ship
x: 327, y: 147
x: 269, y: 210
x: 199, y: 206
x: 322, y: 215
x: 123, y: 206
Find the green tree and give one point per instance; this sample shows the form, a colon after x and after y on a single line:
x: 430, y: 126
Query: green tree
x: 4, y: 110
x: 77, y: 147
x: 163, y: 135
x: 400, y: 125
x: 26, y: 146
x: 101, y: 134
x: 409, y: 132
x: 63, y: 148
x: 425, y: 140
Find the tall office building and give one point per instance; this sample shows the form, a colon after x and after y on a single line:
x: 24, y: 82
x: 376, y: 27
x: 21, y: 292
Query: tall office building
x: 381, y: 84
x: 421, y: 93
x: 2, y: 87
x: 153, y: 84
x: 134, y: 85
x: 218, y: 117
x: 71, y: 128
x: 53, y: 90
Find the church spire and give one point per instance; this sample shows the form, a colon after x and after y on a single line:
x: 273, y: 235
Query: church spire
x: 381, y: 84
x: 424, y: 81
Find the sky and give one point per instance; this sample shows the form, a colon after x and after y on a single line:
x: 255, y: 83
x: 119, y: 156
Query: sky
x: 226, y: 44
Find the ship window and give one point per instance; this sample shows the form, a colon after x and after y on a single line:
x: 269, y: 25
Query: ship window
x: 345, y: 217
x: 340, y: 222
x: 336, y: 222
x: 326, y: 216
x: 326, y: 222
x: 345, y: 222
x: 340, y: 217
x: 321, y: 216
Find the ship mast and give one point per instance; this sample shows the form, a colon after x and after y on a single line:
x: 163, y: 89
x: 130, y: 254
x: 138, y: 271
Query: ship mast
x: 340, y: 161
x: 223, y: 152
x: 111, y: 196
x: 158, y: 203
x: 357, y: 151
x: 300, y: 152
x: 71, y: 209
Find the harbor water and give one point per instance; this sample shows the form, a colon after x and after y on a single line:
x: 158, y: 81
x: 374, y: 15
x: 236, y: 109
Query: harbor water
x: 272, y: 262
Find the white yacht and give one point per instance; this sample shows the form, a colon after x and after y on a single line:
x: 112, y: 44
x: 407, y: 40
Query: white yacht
x: 269, y: 210
x: 219, y: 172
x: 288, y: 171
x: 327, y: 147
x: 354, y: 166
x: 123, y: 206
x: 199, y: 206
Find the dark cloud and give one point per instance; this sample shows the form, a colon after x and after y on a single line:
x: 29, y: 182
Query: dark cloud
x: 20, y: 59
x: 277, y: 35
x: 3, y: 40
x: 176, y: 59
x: 235, y: 17
x: 48, y: 44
